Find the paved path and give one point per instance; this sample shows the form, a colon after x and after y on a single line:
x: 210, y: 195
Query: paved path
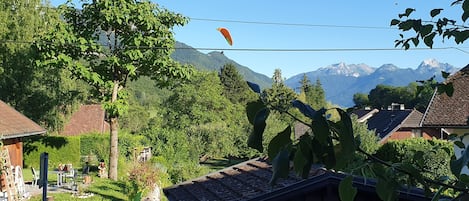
x: 35, y: 190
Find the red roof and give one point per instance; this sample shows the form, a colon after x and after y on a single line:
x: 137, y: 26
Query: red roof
x: 13, y: 124
x: 87, y: 119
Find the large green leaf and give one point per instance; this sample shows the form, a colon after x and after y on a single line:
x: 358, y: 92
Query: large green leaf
x: 304, y: 108
x: 459, y: 164
x: 303, y: 158
x: 252, y: 108
x: 386, y: 190
x: 320, y: 127
x: 346, y: 147
x: 280, y: 166
x: 254, y: 87
x: 255, y: 139
x: 346, y: 191
x: 435, y: 12
x: 324, y: 152
x: 280, y: 141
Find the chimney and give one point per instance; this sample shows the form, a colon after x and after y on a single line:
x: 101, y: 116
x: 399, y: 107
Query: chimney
x: 396, y: 106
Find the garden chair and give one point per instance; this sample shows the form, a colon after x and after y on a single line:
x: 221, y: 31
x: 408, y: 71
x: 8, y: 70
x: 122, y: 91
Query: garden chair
x: 35, y: 177
x: 71, y: 174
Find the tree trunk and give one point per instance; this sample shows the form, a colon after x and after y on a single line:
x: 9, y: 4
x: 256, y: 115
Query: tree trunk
x: 114, y: 127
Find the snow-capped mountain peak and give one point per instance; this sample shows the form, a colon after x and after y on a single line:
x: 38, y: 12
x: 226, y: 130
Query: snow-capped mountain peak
x: 354, y: 70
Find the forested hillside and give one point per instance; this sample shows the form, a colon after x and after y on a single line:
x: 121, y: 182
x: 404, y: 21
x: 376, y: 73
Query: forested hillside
x: 215, y: 60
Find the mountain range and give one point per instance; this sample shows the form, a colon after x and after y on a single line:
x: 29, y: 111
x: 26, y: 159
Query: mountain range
x: 361, y: 78
x: 354, y: 78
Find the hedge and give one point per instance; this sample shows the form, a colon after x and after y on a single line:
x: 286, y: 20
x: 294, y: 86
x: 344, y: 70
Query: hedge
x: 432, y: 157
x: 78, y: 149
x: 60, y: 149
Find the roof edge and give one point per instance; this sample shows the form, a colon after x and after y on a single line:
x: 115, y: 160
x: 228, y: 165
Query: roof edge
x: 428, y: 107
x: 23, y: 134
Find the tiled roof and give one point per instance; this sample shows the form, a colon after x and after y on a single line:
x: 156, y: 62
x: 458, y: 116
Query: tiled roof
x: 445, y: 111
x: 413, y: 120
x: 243, y: 181
x: 87, y: 119
x: 250, y: 181
x: 13, y: 124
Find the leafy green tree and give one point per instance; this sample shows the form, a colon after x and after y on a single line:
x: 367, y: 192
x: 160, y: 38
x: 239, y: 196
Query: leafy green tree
x: 436, y: 155
x: 318, y: 96
x: 279, y: 96
x: 383, y: 96
x: 361, y: 100
x: 235, y: 87
x: 314, y: 94
x: 47, y: 96
x: 207, y: 117
x: 120, y: 41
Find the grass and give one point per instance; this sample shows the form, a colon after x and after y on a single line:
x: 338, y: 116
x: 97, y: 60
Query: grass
x: 103, y: 189
x: 106, y: 189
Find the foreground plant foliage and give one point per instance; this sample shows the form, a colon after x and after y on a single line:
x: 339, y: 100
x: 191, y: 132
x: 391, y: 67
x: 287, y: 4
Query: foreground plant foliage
x: 331, y: 142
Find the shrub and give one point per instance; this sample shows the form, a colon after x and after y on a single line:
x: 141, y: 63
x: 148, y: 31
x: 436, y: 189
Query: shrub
x: 431, y: 157
x: 95, y: 145
x: 60, y: 149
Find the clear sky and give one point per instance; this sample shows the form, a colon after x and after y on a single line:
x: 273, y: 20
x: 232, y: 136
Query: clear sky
x: 324, y: 28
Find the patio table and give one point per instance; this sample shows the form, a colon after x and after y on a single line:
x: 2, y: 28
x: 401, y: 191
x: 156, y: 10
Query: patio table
x: 60, y: 176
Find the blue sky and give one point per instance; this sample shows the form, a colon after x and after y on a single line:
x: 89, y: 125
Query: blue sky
x: 329, y: 25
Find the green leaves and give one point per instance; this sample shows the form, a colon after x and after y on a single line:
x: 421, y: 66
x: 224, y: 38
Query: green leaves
x: 429, y: 29
x: 346, y: 191
x: 280, y: 166
x: 459, y: 164
x: 303, y: 158
x: 304, y: 109
x: 346, y: 148
x: 278, y: 149
x: 435, y: 12
x: 407, y: 12
x: 255, y: 139
x: 279, y: 142
x: 254, y: 87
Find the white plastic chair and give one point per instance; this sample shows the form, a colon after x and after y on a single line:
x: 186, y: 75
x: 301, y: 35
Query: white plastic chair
x: 35, y: 177
x: 70, y: 175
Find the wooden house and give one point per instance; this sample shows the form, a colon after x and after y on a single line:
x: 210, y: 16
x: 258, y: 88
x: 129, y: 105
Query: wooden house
x: 14, y: 126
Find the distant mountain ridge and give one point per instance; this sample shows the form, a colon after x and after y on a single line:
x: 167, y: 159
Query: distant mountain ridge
x: 340, y: 81
x: 213, y: 61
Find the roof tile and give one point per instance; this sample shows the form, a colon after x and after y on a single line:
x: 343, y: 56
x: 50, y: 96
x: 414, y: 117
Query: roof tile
x: 14, y: 124
x: 450, y: 111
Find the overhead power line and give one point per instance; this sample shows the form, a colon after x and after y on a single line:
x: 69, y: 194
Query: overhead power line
x: 268, y: 49
x: 290, y: 24
x: 273, y: 23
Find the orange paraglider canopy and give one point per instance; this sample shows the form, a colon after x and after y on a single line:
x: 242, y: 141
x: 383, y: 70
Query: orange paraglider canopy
x: 226, y: 34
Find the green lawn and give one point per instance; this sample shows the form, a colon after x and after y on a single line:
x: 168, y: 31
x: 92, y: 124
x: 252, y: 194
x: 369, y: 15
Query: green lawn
x: 103, y: 189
